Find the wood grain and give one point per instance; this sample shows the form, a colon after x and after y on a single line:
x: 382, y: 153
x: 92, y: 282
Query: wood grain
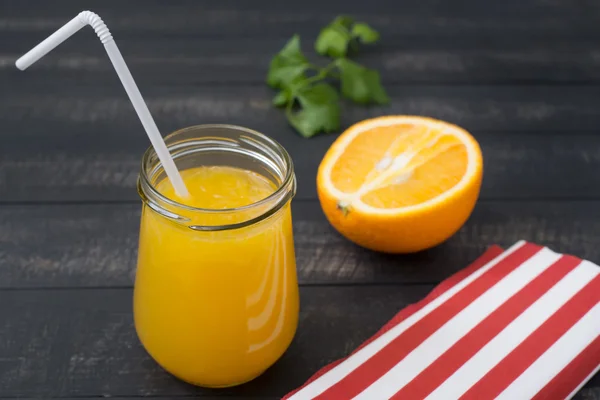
x: 86, y: 144
x: 96, y: 245
x: 83, y: 341
x: 104, y: 165
x: 268, y: 18
x: 232, y: 61
x: 40, y: 106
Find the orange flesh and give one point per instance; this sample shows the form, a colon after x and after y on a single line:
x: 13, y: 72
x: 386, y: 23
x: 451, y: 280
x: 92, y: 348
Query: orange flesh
x: 400, y: 165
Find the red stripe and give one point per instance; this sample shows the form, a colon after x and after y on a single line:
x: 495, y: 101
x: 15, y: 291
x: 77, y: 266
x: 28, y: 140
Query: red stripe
x: 515, y: 363
x: 575, y: 373
x: 440, y: 370
x: 489, y: 255
x: 440, y: 289
x: 372, y: 369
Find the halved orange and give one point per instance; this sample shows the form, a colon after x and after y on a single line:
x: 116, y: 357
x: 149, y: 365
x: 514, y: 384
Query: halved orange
x: 400, y: 184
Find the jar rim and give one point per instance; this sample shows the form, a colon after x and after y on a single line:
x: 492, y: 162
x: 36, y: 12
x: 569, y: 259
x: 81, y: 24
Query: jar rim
x: 286, y: 182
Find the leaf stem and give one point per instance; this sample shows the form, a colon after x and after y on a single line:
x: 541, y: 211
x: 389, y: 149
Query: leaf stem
x: 312, y: 79
x: 328, y: 70
x: 321, y: 74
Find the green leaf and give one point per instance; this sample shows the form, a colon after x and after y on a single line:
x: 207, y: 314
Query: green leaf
x: 280, y: 76
x: 332, y: 42
x: 311, y: 105
x: 320, y: 110
x: 292, y: 51
x: 287, y: 65
x: 343, y: 20
x: 365, y: 33
x: 282, y: 98
x: 361, y: 84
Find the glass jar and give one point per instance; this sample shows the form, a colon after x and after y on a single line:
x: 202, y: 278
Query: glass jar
x: 216, y: 292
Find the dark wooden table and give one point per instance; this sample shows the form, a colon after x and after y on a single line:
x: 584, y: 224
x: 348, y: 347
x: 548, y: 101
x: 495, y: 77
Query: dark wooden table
x: 522, y: 75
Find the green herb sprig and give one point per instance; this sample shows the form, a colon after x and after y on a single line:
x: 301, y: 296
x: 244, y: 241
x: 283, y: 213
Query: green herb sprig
x: 306, y: 92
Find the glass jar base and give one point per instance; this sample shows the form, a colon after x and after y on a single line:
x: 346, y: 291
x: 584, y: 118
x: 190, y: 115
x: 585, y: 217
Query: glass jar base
x: 224, y: 386
x: 198, y: 383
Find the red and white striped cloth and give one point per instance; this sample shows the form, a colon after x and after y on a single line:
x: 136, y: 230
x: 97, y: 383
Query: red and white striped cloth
x: 519, y: 324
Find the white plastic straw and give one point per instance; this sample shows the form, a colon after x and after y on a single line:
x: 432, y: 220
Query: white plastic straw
x: 89, y: 18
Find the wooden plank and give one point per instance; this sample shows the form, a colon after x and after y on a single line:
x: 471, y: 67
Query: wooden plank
x: 498, y: 108
x: 516, y: 108
x: 82, y: 342
x: 191, y: 60
x: 96, y: 245
x: 100, y: 166
x: 584, y: 392
x: 86, y: 145
x: 592, y: 393
x: 267, y: 18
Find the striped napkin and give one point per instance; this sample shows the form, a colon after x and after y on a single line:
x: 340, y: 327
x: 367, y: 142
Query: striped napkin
x: 519, y: 324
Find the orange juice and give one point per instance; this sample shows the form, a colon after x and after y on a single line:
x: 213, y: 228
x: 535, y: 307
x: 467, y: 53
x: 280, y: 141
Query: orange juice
x: 216, y: 307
